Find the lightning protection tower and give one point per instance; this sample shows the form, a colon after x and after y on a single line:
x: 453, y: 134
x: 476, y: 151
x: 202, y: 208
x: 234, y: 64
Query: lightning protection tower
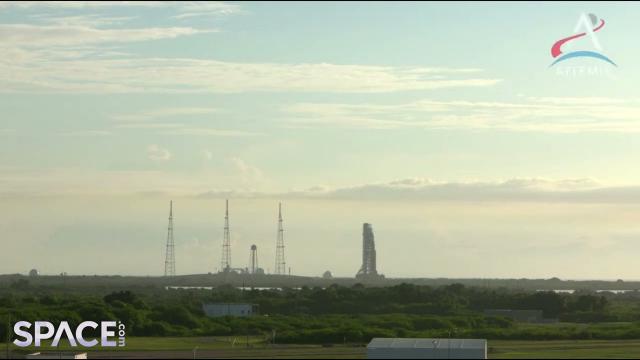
x: 170, y: 256
x: 281, y: 268
x: 226, y: 243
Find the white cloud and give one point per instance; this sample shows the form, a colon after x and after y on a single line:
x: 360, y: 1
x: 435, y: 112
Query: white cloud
x: 248, y: 173
x: 82, y: 133
x: 564, y: 115
x: 183, y: 8
x: 164, y: 113
x: 35, y: 73
x: 77, y: 52
x: 35, y: 36
x: 76, y: 4
x: 156, y: 153
x: 588, y: 100
x: 84, y: 20
x: 200, y: 131
x: 149, y: 126
x: 207, y: 8
x: 154, y: 120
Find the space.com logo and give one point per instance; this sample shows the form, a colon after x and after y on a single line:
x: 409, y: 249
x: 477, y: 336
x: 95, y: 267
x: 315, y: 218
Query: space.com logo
x: 44, y: 330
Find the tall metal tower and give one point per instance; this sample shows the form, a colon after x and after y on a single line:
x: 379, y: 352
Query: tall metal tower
x: 170, y: 256
x: 226, y: 243
x: 281, y: 268
x: 253, y: 260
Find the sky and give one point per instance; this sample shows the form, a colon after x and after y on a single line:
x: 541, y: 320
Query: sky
x: 442, y: 124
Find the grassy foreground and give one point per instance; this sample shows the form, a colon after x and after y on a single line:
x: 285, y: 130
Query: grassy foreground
x: 576, y: 349
x: 236, y: 347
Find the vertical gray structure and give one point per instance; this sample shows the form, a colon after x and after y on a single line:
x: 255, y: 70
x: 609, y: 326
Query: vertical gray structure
x: 368, y: 269
x: 170, y: 256
x: 281, y: 268
x: 226, y: 243
x: 253, y: 260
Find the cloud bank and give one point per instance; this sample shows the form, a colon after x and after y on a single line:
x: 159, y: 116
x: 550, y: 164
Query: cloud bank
x: 424, y: 189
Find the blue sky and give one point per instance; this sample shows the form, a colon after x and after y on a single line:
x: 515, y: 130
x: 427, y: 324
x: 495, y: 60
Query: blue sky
x: 326, y: 106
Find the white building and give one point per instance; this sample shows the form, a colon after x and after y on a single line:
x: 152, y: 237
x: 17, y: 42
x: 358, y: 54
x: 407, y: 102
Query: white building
x: 218, y: 310
x: 389, y: 348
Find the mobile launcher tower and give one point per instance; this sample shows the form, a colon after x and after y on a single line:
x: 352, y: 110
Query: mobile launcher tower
x: 368, y: 270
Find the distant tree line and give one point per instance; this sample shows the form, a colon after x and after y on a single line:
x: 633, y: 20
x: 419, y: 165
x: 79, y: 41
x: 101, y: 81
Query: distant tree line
x: 331, y: 315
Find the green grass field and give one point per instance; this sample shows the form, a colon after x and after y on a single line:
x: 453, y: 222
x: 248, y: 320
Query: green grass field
x: 236, y: 347
x: 578, y: 349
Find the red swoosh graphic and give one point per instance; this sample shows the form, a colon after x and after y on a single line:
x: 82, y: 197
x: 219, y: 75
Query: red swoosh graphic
x: 555, y: 49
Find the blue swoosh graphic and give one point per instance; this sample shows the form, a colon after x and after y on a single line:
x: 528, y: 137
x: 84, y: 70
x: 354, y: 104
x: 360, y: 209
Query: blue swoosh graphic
x: 591, y: 54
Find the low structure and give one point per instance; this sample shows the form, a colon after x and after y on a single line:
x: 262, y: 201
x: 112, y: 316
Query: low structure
x: 219, y: 310
x: 393, y: 348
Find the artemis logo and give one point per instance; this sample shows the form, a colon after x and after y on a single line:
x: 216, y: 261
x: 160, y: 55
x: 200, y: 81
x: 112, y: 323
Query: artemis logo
x: 44, y: 330
x: 588, y: 24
